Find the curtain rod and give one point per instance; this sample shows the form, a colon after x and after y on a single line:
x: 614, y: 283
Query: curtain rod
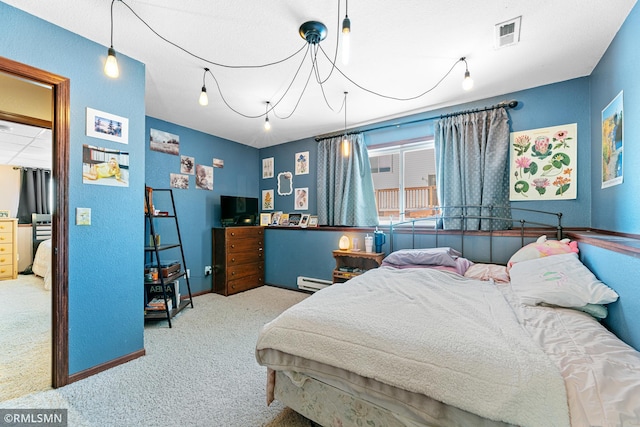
x: 506, y: 104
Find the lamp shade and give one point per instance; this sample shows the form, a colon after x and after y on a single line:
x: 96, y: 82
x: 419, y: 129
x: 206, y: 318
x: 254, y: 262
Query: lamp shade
x: 343, y: 244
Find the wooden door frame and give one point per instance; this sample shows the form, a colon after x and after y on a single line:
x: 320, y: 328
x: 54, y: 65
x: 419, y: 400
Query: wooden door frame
x: 60, y: 231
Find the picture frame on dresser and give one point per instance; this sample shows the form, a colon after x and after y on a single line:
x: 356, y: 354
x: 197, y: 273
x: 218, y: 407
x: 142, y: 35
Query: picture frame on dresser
x: 4, y: 214
x: 265, y: 219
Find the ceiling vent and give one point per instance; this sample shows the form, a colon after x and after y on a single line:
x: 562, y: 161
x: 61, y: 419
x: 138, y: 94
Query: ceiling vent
x: 508, y: 33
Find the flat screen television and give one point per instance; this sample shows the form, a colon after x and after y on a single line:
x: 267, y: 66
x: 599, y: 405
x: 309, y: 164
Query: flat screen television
x: 235, y: 210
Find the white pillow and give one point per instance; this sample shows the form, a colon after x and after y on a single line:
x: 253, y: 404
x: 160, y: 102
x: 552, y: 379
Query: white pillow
x: 560, y: 280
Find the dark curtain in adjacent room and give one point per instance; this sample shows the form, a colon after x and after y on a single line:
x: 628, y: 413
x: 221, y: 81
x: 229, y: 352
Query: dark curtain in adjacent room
x: 35, y: 189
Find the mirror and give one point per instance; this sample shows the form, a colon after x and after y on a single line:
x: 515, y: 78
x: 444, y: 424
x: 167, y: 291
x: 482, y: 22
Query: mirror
x: 285, y: 183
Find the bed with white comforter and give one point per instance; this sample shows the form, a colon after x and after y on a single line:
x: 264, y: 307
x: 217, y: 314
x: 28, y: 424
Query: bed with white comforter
x: 432, y: 347
x: 42, y: 263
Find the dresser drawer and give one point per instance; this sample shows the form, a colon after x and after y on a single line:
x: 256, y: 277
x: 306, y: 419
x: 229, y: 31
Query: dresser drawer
x: 6, y: 248
x: 244, y: 232
x: 6, y: 272
x: 238, y: 271
x: 6, y: 259
x: 241, y: 258
x: 245, y: 283
x: 244, y: 245
x: 6, y: 237
x: 6, y: 227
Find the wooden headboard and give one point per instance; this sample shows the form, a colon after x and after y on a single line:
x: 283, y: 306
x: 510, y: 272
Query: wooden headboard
x: 41, y: 229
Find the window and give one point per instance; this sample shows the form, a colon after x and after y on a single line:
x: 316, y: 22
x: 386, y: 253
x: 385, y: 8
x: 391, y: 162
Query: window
x: 404, y: 180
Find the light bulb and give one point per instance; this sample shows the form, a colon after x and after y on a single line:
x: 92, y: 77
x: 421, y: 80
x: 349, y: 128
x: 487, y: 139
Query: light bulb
x: 111, y: 65
x: 345, y: 147
x: 204, y: 98
x: 346, y: 39
x: 467, y: 83
x: 267, y: 125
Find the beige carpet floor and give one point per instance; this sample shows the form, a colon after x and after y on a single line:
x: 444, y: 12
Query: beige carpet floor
x: 25, y: 337
x: 201, y: 372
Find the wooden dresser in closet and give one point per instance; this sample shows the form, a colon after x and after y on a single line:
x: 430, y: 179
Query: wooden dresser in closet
x: 238, y: 259
x: 8, y: 248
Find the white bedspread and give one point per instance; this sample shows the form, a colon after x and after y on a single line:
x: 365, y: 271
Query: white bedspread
x: 469, y: 351
x: 42, y: 263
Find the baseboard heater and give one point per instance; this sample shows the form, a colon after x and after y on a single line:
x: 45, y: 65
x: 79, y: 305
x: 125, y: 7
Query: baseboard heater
x: 312, y: 284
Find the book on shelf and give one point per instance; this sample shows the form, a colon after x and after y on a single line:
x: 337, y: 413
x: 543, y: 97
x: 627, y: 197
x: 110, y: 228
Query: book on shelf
x: 157, y: 304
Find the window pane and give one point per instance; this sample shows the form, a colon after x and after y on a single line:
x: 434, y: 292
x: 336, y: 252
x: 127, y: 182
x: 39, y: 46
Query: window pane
x: 404, y: 179
x: 419, y: 183
x: 386, y: 183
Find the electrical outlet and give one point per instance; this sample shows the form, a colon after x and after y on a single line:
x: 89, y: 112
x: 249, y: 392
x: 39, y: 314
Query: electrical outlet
x: 188, y: 273
x: 207, y: 270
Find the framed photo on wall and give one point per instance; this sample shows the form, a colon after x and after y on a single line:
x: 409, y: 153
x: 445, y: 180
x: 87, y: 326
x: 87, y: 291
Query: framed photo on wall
x: 301, y: 199
x: 107, y: 126
x: 267, y: 168
x: 612, y: 142
x: 302, y: 163
x: 544, y: 164
x: 267, y: 200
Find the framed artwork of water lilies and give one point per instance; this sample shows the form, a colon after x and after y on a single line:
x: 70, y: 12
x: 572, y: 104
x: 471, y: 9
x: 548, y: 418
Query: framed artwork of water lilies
x: 543, y: 163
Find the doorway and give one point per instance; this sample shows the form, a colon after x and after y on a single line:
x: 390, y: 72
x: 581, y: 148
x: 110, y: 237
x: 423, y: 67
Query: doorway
x: 59, y: 277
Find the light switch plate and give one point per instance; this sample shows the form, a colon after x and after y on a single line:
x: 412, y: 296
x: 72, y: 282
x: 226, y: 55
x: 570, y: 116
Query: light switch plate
x: 83, y: 216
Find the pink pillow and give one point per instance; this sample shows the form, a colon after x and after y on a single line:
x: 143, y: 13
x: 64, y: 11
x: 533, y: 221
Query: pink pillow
x: 542, y: 248
x: 488, y: 271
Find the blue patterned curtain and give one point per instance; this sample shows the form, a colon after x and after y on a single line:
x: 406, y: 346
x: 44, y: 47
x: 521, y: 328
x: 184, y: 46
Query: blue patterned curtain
x: 472, y: 159
x: 345, y: 187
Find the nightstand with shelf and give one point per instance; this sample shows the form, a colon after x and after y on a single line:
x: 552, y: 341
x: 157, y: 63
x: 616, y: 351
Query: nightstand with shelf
x: 353, y: 263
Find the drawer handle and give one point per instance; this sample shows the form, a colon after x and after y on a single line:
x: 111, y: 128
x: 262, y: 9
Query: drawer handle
x: 233, y: 233
x: 233, y: 286
x: 3, y: 259
x: 233, y: 273
x: 259, y: 255
x: 2, y: 249
x: 233, y: 246
x: 260, y: 279
x: 2, y: 238
x: 259, y: 249
x: 233, y: 260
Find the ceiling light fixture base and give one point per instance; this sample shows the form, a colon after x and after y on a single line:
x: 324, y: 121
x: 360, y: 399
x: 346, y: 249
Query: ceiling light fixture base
x: 313, y: 32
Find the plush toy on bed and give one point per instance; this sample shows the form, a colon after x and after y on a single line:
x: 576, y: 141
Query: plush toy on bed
x: 541, y: 248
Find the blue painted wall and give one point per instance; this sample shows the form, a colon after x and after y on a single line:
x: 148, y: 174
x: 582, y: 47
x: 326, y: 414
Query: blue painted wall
x: 105, y: 291
x: 198, y: 210
x: 556, y: 104
x: 615, y: 208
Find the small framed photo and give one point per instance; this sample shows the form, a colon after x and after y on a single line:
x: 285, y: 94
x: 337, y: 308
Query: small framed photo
x: 4, y: 214
x: 107, y: 126
x: 294, y: 219
x: 284, y: 219
x: 304, y: 220
x: 275, y: 218
x: 265, y: 219
x: 313, y: 221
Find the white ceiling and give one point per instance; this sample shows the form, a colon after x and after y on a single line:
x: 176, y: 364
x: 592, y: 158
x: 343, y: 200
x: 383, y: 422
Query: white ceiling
x: 400, y: 48
x: 27, y: 146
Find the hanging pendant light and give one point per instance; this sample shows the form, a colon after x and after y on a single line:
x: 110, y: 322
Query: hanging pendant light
x: 346, y: 35
x: 204, y: 98
x: 346, y: 145
x: 467, y: 83
x: 111, y: 64
x: 267, y: 125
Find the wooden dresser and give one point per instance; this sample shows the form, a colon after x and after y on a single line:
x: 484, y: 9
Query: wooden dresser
x: 238, y: 259
x: 8, y: 248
